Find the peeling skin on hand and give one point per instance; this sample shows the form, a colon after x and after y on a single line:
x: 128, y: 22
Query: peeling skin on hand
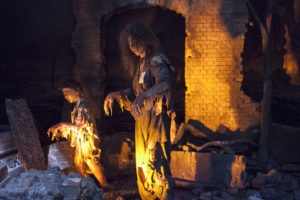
x: 109, y: 100
x: 151, y: 98
x: 120, y: 97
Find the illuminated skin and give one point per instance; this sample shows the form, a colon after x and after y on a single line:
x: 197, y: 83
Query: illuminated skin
x: 138, y: 51
x: 135, y: 108
x: 144, y: 99
x: 81, y: 135
x: 147, y: 110
x: 155, y: 168
x: 71, y: 96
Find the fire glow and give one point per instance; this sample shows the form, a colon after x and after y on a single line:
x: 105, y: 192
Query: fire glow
x: 81, y: 138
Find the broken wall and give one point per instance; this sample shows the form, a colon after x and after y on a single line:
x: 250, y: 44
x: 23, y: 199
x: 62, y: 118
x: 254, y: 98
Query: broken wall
x: 214, y: 43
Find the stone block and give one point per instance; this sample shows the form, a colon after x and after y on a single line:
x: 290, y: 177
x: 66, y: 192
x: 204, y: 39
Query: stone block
x: 13, y: 164
x: 61, y: 155
x: 50, y: 184
x: 3, y: 170
x: 5, y: 181
x: 190, y: 168
x: 254, y: 195
x: 71, y: 188
x: 272, y: 193
x: 7, y: 145
x: 289, y: 184
x: 259, y: 182
x: 273, y: 178
x: 119, y: 153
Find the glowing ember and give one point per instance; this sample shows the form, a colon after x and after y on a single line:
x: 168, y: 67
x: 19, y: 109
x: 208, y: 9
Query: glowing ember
x: 83, y: 139
x: 142, y: 173
x: 238, y: 172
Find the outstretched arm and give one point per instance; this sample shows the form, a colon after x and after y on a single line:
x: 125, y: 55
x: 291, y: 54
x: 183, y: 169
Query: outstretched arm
x: 151, y: 97
x: 61, y: 130
x: 161, y: 90
x: 122, y: 97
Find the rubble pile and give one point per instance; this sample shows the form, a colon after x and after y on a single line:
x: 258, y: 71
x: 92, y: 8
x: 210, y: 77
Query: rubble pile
x: 272, y: 185
x: 49, y: 184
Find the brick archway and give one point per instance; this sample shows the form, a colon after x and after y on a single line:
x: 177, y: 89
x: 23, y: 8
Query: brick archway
x: 214, y: 43
x: 169, y: 27
x: 86, y: 41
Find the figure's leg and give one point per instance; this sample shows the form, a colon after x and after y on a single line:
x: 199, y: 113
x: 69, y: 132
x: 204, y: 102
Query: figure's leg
x: 77, y: 158
x: 145, y: 195
x: 167, y: 194
x: 78, y: 163
x: 98, y: 171
x: 140, y: 152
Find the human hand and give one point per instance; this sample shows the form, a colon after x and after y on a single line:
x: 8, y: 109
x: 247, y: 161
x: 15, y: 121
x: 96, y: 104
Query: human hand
x: 108, y: 102
x: 172, y: 114
x: 148, y: 103
x: 136, y: 110
x: 56, y: 131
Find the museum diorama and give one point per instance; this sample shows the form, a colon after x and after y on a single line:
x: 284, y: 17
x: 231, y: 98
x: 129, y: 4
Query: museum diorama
x: 150, y: 99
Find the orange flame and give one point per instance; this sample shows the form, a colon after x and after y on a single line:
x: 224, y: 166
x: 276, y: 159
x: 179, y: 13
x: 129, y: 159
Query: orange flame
x: 238, y: 167
x: 82, y: 138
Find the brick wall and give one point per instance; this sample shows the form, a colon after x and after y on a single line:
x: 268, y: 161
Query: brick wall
x: 213, y: 68
x: 214, y: 43
x: 86, y: 42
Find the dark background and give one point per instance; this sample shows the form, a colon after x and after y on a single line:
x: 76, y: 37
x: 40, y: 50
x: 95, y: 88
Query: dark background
x: 36, y: 53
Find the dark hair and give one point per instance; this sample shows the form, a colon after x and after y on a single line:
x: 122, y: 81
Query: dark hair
x: 72, y: 84
x: 140, y: 35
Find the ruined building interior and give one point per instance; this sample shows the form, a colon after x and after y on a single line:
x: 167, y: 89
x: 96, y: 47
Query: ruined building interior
x: 234, y: 129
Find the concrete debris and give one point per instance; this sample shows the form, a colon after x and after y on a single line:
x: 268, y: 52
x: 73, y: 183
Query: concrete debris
x: 50, y: 184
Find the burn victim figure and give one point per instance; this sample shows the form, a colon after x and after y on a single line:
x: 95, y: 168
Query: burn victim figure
x: 148, y: 100
x: 81, y: 133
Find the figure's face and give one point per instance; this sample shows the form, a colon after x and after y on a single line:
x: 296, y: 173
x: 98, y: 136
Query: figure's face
x: 138, y: 49
x: 71, y: 95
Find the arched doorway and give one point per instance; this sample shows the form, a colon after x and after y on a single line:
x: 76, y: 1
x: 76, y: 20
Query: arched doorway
x: 170, y: 29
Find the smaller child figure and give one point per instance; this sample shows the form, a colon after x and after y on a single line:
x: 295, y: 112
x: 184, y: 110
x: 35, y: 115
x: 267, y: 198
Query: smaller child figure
x: 81, y: 133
